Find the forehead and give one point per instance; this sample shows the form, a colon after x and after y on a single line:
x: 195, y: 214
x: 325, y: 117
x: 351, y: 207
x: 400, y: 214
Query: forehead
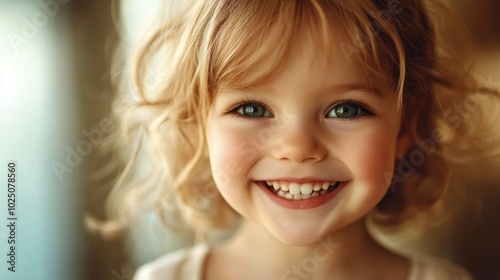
x: 328, y: 67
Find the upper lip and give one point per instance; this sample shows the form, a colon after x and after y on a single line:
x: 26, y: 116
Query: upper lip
x: 302, y: 179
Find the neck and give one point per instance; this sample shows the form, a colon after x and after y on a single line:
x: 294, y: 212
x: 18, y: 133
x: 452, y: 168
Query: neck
x: 332, y: 255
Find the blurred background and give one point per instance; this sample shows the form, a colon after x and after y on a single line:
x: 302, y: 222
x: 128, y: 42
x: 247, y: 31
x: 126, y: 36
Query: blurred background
x: 55, y: 99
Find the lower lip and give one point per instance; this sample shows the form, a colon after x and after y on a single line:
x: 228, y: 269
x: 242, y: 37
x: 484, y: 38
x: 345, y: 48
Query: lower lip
x: 303, y: 203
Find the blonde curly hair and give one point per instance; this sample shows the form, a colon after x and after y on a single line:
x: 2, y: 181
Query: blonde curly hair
x: 211, y: 44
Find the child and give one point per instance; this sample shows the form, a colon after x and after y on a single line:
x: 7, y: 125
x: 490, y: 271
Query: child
x: 298, y: 122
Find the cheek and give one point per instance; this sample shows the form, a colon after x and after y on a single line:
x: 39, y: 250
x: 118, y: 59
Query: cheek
x: 374, y: 158
x: 231, y: 152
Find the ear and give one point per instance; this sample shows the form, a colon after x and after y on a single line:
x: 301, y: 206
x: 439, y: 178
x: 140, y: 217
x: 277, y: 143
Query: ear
x: 404, y: 144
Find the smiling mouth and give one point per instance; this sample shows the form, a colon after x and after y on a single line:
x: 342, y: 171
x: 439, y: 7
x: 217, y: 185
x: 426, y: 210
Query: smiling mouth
x: 300, y: 191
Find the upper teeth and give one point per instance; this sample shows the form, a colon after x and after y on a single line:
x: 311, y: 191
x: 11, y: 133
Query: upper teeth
x: 300, y: 188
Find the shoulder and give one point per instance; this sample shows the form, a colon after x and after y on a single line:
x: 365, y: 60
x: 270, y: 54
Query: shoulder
x: 436, y: 269
x: 186, y: 263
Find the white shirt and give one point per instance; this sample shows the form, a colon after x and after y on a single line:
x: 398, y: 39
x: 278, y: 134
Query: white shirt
x: 187, y: 264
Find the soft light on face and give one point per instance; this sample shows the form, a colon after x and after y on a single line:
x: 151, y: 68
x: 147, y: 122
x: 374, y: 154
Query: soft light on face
x: 316, y: 122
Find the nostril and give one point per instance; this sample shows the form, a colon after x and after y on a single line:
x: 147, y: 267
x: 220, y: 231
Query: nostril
x: 300, y: 153
x: 301, y: 160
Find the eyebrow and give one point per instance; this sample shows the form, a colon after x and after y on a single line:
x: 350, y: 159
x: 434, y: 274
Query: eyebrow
x: 357, y: 87
x: 343, y: 88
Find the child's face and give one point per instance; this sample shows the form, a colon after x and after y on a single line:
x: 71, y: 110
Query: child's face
x: 315, y: 124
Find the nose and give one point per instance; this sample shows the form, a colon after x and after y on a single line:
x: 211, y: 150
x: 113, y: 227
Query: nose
x: 300, y: 142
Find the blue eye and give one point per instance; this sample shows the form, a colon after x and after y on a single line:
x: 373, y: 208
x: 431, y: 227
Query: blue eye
x: 252, y: 110
x: 347, y: 110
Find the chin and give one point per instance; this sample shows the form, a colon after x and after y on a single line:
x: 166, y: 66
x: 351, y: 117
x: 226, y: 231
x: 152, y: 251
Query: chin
x: 300, y: 237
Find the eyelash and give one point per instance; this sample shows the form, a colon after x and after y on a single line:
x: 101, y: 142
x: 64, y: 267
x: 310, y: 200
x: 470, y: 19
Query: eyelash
x: 365, y: 110
x: 234, y: 110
